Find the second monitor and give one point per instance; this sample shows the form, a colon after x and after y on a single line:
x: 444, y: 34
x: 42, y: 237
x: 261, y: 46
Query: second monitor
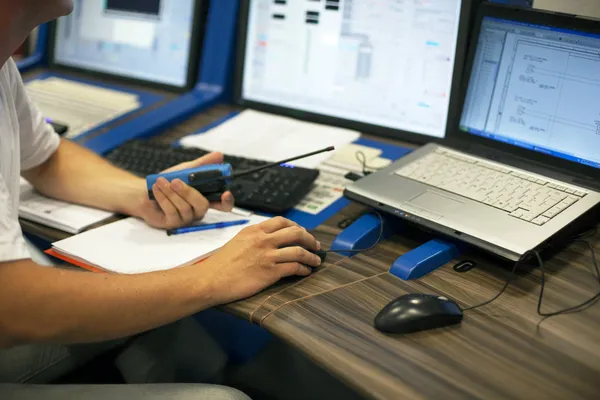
x: 384, y: 67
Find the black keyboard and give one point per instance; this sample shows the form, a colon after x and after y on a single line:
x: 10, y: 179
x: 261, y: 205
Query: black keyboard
x: 274, y: 190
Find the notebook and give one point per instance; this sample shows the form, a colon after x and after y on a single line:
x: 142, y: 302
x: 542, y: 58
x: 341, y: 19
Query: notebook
x: 130, y: 246
x: 67, y: 217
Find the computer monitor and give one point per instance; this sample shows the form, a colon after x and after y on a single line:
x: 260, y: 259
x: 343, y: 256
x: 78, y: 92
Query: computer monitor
x: 536, y: 86
x: 384, y: 67
x: 152, y: 41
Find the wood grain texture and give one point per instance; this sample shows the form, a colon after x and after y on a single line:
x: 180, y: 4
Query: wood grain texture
x: 483, y: 358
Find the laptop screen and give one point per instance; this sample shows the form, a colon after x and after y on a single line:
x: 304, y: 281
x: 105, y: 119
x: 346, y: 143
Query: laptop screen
x: 383, y: 63
x: 536, y: 87
x: 148, y: 40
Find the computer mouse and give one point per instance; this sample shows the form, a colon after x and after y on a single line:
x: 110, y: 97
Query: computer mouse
x: 417, y: 312
x: 322, y: 254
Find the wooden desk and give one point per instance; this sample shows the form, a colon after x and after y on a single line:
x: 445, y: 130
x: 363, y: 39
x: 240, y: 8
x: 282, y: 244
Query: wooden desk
x: 501, y: 351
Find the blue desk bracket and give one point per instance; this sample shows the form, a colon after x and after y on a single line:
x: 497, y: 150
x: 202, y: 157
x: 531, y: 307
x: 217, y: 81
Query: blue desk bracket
x: 363, y: 233
x: 415, y: 264
x: 424, y: 259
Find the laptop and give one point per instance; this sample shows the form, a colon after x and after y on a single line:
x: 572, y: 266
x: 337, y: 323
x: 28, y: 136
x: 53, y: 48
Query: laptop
x: 523, y: 159
x: 111, y: 58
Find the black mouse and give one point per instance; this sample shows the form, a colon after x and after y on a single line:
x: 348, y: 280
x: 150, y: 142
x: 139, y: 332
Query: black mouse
x: 322, y: 254
x: 417, y: 312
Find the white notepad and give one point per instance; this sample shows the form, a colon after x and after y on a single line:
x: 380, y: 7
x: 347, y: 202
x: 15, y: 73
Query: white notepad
x: 67, y: 217
x: 262, y: 136
x: 130, y: 246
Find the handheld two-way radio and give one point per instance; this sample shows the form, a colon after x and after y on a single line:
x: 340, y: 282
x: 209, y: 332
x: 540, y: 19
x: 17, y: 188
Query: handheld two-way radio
x: 214, y: 180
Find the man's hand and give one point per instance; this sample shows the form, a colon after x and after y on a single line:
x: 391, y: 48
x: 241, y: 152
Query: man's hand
x: 178, y: 204
x: 258, y: 257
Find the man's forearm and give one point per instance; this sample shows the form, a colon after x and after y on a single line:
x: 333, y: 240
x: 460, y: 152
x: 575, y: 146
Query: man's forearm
x: 77, y: 175
x: 64, y: 306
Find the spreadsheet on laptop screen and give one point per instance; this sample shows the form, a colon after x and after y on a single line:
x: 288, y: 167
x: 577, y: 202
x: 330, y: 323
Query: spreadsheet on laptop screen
x: 141, y: 39
x: 386, y: 63
x: 536, y: 87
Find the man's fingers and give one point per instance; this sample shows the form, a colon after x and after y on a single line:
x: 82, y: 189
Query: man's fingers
x: 293, y: 269
x: 276, y: 224
x: 192, y: 197
x: 184, y: 209
x: 294, y: 236
x: 211, y: 158
x: 297, y: 255
x: 226, y: 204
x: 172, y: 216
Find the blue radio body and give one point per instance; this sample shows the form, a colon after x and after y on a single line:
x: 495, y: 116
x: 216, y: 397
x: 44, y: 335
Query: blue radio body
x: 207, y: 179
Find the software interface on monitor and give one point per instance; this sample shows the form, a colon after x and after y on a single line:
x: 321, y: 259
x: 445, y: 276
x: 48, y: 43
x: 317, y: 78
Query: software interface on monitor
x: 387, y: 62
x: 142, y: 39
x: 537, y: 87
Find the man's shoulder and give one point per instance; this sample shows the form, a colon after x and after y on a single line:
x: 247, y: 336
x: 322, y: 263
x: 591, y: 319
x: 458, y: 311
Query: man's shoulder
x: 8, y: 72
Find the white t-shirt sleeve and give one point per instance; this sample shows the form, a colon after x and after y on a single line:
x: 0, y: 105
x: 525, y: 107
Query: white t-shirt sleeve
x: 38, y: 139
x: 12, y: 244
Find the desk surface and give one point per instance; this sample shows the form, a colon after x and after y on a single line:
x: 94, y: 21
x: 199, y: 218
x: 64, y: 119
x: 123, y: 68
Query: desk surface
x: 502, y: 351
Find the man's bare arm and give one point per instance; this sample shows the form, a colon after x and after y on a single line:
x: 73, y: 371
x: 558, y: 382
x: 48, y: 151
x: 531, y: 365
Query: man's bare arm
x: 40, y: 304
x: 76, y: 174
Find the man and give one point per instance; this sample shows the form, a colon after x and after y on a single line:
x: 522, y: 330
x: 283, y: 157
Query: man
x: 55, y: 306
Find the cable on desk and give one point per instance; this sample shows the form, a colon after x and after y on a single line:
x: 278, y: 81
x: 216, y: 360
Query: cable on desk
x: 573, y: 309
x: 362, y: 159
x: 269, y: 297
x: 266, y: 300
x: 262, y: 320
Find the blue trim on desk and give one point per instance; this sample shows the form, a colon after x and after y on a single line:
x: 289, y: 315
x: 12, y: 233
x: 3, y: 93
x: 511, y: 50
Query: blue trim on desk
x: 215, y: 72
x: 311, y: 221
x: 146, y: 99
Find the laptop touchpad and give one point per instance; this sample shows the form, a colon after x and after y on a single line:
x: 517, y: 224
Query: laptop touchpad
x: 435, y: 202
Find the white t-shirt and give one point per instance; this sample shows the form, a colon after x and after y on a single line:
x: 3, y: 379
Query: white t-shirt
x: 26, y: 141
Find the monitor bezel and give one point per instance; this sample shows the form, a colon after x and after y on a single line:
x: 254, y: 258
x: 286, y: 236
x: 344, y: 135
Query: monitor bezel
x: 532, y: 16
x: 195, y: 53
x: 376, y: 130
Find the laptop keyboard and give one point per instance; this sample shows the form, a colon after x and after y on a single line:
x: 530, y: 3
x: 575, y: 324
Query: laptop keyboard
x: 521, y: 195
x: 80, y: 106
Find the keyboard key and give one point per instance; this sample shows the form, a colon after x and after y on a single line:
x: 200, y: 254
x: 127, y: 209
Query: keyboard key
x: 520, y: 194
x: 541, y: 220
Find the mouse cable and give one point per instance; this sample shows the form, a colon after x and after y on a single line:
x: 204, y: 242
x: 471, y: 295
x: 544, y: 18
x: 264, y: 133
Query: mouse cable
x: 379, y: 238
x: 508, y: 282
x: 569, y: 310
x: 573, y: 309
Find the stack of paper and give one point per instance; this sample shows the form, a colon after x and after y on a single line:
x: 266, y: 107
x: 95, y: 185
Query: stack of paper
x: 71, y: 218
x: 130, y: 246
x: 270, y: 137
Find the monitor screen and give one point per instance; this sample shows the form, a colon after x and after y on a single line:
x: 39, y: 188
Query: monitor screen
x: 149, y: 40
x: 384, y: 63
x: 536, y: 87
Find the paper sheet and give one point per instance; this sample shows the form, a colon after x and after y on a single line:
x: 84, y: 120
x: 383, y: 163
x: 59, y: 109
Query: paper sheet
x: 269, y: 137
x: 71, y: 218
x: 130, y: 246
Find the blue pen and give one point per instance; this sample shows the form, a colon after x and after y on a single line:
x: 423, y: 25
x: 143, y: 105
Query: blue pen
x: 207, y: 227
